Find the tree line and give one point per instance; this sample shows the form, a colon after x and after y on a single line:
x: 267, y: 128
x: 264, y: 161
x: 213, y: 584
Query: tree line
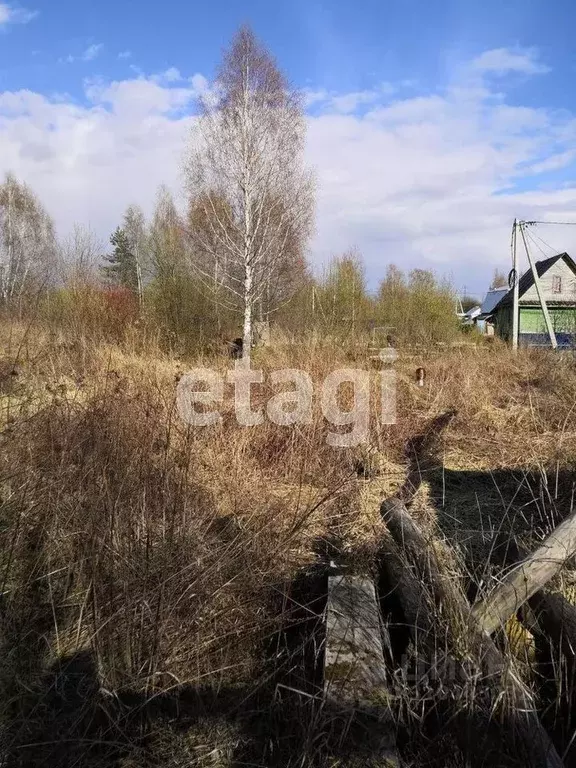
x: 234, y: 257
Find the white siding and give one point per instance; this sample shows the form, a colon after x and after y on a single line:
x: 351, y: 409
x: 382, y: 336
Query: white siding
x: 568, y: 294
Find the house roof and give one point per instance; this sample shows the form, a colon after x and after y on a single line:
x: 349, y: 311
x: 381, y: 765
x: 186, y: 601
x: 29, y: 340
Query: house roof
x: 491, y: 300
x: 505, y: 296
x: 468, y: 317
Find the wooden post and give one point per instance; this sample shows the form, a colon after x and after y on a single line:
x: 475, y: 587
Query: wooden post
x: 529, y: 576
x: 420, y: 550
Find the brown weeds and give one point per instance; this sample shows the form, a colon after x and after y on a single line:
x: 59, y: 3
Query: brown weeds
x: 154, y: 557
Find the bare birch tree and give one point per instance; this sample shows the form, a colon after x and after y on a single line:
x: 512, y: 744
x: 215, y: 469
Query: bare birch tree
x: 27, y: 242
x: 252, y: 197
x: 135, y: 228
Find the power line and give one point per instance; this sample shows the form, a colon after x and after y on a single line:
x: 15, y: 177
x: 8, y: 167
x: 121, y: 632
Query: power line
x: 555, y: 223
x: 533, y: 241
x: 552, y: 248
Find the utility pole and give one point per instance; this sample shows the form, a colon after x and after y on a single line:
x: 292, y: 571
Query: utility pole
x: 541, y: 297
x: 516, y: 289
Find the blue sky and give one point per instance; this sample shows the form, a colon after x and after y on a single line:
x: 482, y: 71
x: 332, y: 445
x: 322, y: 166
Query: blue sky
x: 432, y: 124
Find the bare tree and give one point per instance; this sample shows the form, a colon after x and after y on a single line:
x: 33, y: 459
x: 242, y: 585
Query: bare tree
x: 80, y: 254
x: 499, y: 280
x: 27, y: 241
x: 252, y: 197
x: 166, y: 243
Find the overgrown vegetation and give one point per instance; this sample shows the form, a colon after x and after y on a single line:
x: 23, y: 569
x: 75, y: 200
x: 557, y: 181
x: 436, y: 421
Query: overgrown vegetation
x: 162, y: 585
x: 160, y: 294
x: 154, y: 575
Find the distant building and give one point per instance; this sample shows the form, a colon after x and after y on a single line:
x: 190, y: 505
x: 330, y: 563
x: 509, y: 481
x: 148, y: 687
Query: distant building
x: 485, y: 320
x: 470, y: 316
x: 558, y: 284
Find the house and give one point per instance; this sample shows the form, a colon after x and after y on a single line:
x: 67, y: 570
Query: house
x: 558, y: 285
x: 485, y: 320
x: 470, y: 316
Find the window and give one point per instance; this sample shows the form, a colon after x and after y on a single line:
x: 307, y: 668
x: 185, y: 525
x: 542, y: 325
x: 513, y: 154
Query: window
x: 556, y: 284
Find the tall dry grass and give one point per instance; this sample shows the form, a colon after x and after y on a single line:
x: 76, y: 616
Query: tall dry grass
x: 145, y: 563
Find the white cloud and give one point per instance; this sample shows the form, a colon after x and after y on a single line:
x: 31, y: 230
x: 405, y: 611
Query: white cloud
x: 315, y: 96
x: 92, y: 51
x: 87, y: 163
x: 89, y: 54
x: 10, y: 14
x: 437, y: 179
x: 171, y: 75
x: 347, y: 102
x: 200, y: 84
x: 430, y: 179
x: 125, y: 55
x: 141, y: 97
x: 554, y: 162
x: 500, y: 61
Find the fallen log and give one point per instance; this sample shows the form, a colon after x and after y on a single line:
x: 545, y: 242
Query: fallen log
x: 469, y: 640
x: 446, y: 681
x: 448, y: 597
x: 527, y: 578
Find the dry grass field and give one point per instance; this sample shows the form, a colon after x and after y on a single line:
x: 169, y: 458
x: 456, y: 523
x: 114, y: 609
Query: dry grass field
x: 161, y: 585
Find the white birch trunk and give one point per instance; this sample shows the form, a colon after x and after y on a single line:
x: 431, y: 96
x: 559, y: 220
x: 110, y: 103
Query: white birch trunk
x: 139, y: 279
x: 248, y: 306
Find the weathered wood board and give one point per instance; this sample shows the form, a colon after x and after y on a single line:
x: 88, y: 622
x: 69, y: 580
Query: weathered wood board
x: 354, y: 667
x: 354, y: 670
x: 490, y: 663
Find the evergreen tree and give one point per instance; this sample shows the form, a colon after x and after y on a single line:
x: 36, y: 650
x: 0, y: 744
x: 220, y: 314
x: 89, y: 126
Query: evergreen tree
x: 122, y: 269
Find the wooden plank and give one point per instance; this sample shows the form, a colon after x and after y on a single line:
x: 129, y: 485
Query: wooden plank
x: 529, y: 576
x: 354, y: 668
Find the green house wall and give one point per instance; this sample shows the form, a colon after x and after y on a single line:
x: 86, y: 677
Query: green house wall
x: 531, y: 320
